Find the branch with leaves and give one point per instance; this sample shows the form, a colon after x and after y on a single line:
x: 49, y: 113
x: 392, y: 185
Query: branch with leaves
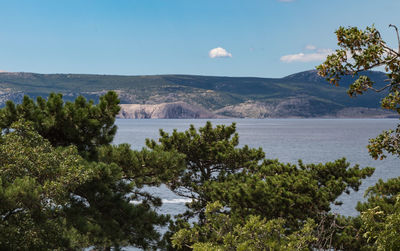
x: 360, y: 51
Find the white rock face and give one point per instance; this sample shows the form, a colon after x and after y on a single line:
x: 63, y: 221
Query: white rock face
x: 290, y: 108
x: 176, y: 110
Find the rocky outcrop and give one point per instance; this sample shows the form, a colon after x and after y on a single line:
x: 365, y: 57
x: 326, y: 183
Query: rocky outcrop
x: 301, y: 108
x: 247, y: 110
x: 176, y: 110
x: 362, y: 112
x: 293, y: 107
x: 5, y: 95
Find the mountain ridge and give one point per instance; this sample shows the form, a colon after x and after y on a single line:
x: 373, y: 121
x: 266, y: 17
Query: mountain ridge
x: 303, y: 94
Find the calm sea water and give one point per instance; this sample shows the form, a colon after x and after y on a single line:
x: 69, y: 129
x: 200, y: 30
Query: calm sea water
x: 312, y: 140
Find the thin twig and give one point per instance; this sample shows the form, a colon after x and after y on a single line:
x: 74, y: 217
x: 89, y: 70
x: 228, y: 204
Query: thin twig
x: 379, y: 90
x: 14, y: 211
x: 397, y: 32
x: 391, y: 50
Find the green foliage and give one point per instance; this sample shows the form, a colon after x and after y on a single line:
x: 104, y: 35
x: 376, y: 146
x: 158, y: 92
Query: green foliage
x: 211, y: 154
x: 360, y: 51
x: 253, y: 192
x: 382, y: 229
x: 150, y: 168
x: 120, y: 214
x: 223, y: 232
x: 65, y: 186
x: 106, y: 209
x: 104, y: 212
x: 375, y: 211
x: 52, y: 198
x: 79, y: 123
x: 388, y: 141
x: 36, y: 183
x: 382, y: 194
x: 379, y: 225
x: 295, y: 193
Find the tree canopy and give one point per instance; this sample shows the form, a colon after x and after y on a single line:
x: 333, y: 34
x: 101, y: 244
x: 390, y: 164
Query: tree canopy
x: 360, y: 51
x: 64, y: 186
x: 250, y: 191
x: 36, y: 184
x: 210, y: 154
x: 80, y: 123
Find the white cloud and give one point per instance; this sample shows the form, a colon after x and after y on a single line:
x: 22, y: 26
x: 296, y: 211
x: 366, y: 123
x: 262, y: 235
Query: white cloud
x: 311, y: 47
x: 219, y: 52
x: 319, y: 55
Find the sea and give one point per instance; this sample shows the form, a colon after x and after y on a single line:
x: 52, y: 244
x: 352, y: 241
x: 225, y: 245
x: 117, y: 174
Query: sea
x: 289, y: 140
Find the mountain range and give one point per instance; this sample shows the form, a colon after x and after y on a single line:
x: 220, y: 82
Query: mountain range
x: 303, y: 94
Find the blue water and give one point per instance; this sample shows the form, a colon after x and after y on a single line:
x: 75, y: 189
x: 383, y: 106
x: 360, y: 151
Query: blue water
x: 312, y: 140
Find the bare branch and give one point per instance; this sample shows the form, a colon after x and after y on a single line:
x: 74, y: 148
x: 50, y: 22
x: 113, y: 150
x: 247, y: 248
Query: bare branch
x: 397, y: 32
x: 381, y: 89
x: 9, y: 213
x: 379, y: 63
x: 391, y: 50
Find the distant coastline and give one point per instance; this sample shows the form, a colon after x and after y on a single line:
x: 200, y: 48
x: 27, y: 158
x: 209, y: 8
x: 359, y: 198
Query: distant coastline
x: 182, y: 110
x: 300, y: 95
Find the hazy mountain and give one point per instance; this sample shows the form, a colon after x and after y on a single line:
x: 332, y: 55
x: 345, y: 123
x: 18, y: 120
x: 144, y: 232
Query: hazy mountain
x: 303, y: 94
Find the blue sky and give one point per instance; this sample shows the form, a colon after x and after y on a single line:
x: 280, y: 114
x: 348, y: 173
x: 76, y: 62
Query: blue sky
x: 261, y: 38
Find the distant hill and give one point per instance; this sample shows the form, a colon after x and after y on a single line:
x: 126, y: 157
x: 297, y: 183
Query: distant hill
x: 303, y: 94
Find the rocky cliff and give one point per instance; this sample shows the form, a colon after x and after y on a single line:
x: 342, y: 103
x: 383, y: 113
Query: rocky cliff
x: 176, y: 110
x: 291, y: 108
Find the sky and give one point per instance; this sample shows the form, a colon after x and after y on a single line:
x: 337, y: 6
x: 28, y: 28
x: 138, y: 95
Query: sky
x: 258, y: 38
